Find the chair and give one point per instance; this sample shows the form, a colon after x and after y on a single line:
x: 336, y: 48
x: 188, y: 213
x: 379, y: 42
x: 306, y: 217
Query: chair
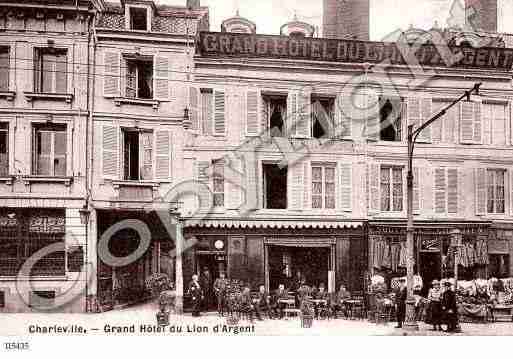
x: 358, y: 308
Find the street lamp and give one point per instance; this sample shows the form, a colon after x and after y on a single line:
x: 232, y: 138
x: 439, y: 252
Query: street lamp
x: 410, y: 322
x: 456, y: 244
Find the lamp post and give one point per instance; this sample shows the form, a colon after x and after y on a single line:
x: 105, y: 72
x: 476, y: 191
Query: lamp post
x: 456, y: 243
x: 410, y: 322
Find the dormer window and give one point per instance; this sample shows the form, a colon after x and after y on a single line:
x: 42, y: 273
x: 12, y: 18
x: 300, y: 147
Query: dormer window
x: 138, y: 18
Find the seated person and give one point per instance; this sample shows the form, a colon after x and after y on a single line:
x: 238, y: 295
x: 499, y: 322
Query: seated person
x: 247, y: 305
x: 321, y: 294
x: 303, y: 292
x: 337, y: 302
x: 277, y: 306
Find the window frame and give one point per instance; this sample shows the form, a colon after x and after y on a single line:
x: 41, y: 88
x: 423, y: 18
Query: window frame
x: 402, y: 116
x: 324, y: 183
x: 495, y: 199
x: 4, y: 131
x: 218, y: 175
x: 265, y: 204
x: 266, y: 102
x: 7, y: 50
x: 138, y: 62
x: 391, y: 183
x: 488, y: 121
x: 52, y: 129
x: 331, y: 113
x: 39, y: 70
x: 128, y: 18
x: 141, y: 149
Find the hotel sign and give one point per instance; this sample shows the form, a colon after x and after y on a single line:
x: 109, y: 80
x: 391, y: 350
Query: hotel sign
x: 214, y: 44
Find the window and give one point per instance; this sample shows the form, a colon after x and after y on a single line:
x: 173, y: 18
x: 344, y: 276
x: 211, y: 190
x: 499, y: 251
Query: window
x: 137, y: 155
x: 275, y: 186
x: 218, y: 183
x: 139, y: 78
x: 23, y: 232
x: 2, y: 299
x: 323, y: 186
x: 391, y: 180
x: 138, y: 18
x: 206, y: 111
x: 495, y: 117
x: 322, y: 117
x: 495, y: 190
x: 50, y: 148
x: 444, y: 129
x: 390, y: 114
x: 50, y: 74
x: 4, y: 146
x: 4, y: 68
x: 275, y: 114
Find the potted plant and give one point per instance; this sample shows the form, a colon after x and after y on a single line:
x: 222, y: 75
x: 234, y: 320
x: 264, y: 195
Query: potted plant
x: 307, y: 313
x: 161, y: 287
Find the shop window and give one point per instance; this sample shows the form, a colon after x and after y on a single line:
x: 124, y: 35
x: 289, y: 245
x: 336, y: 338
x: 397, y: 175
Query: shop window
x: 50, y: 150
x: 495, y: 191
x: 494, y: 117
x: 275, y: 186
x: 138, y: 18
x: 499, y: 266
x: 218, y: 183
x: 323, y: 186
x: 50, y: 68
x: 390, y: 118
x: 137, y: 154
x: 139, y: 77
x: 4, y: 68
x: 25, y: 232
x: 4, y: 146
x: 322, y: 118
x: 391, y: 181
x: 275, y: 108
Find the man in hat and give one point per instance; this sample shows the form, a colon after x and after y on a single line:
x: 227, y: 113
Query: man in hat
x: 206, y: 286
x: 449, y: 307
x: 220, y: 287
x: 435, y: 308
x: 196, y: 294
x: 400, y: 302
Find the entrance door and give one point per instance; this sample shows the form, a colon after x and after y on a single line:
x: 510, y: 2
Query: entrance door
x: 209, y: 265
x: 429, y: 269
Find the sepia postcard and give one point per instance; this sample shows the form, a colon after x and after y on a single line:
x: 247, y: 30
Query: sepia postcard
x: 255, y: 168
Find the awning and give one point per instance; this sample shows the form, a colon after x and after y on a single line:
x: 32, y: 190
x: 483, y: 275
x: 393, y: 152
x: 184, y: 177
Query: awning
x: 301, y: 242
x: 266, y: 223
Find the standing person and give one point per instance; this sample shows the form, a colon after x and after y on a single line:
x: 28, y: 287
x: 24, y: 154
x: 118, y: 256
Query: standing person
x: 278, y: 306
x: 400, y: 302
x: 435, y: 305
x: 220, y: 286
x: 262, y: 303
x: 247, y: 304
x: 196, y: 294
x: 449, y: 307
x: 206, y: 286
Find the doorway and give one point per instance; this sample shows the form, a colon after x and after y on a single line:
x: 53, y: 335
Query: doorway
x: 430, y: 269
x: 208, y: 266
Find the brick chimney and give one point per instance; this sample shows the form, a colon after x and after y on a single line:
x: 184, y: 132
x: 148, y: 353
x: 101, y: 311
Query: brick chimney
x: 482, y: 15
x: 193, y: 4
x: 346, y: 18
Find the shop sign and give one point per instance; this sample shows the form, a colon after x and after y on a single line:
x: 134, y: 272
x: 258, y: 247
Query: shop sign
x: 215, y: 44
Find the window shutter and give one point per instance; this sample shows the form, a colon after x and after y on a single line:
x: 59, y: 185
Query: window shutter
x: 510, y: 198
x: 232, y: 182
x: 111, y: 74
x: 343, y: 120
x: 426, y: 109
x: 264, y: 115
x: 204, y: 192
x: 345, y: 186
x: 416, y: 189
x: 110, y: 152
x: 161, y: 78
x: 304, y: 117
x: 480, y: 190
x: 470, y: 122
x: 194, y: 107
x: 146, y: 150
x: 374, y: 188
x: 413, y: 109
x: 252, y: 102
x: 307, y: 185
x: 295, y: 174
x: 452, y: 190
x: 163, y: 155
x: 292, y: 113
x: 372, y: 116
x: 440, y: 191
x: 219, y: 112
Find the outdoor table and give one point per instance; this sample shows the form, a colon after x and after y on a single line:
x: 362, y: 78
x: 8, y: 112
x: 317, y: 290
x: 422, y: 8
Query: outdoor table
x: 349, y: 303
x: 319, y: 301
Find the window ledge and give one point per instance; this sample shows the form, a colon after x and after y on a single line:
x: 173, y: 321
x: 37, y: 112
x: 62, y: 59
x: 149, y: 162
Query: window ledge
x: 49, y: 96
x: 8, y: 95
x: 118, y: 184
x: 118, y: 101
x: 8, y: 180
x: 42, y: 179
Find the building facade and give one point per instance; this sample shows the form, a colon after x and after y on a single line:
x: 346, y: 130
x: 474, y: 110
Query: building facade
x: 44, y: 92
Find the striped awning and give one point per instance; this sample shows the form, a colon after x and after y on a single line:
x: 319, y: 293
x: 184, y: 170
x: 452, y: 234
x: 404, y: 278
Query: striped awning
x: 266, y: 223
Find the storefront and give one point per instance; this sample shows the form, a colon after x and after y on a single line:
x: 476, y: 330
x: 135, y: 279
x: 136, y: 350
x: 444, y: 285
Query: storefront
x: 434, y: 257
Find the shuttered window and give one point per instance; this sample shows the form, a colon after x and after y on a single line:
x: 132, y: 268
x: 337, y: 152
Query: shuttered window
x: 138, y: 155
x: 444, y: 130
x: 470, y: 122
x: 252, y: 109
x: 391, y: 185
x: 495, y: 117
x: 495, y: 187
x: 419, y: 111
x: 4, y: 68
x: 446, y: 190
x: 218, y: 183
x: 213, y: 112
x: 323, y: 186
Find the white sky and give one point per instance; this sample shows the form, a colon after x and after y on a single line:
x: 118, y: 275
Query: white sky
x: 386, y: 15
